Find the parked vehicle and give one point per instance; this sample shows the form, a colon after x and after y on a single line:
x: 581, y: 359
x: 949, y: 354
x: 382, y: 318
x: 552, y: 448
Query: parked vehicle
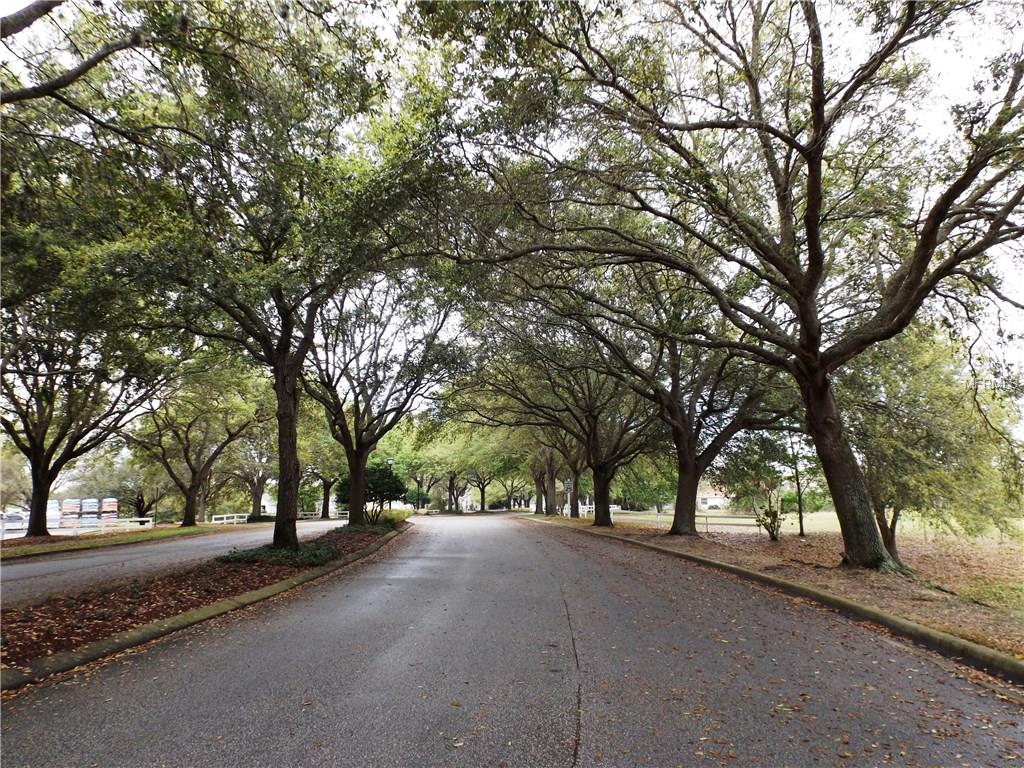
x: 108, y: 509
x: 70, y: 511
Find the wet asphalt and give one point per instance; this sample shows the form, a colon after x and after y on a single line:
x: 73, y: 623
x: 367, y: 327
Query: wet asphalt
x: 492, y: 641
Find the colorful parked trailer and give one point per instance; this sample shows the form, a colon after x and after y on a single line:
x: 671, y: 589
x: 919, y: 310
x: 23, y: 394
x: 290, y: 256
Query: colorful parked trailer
x: 70, y: 511
x: 90, y: 512
x: 108, y: 509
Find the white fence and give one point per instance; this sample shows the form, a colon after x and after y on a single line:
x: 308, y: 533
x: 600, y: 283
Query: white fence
x: 229, y: 519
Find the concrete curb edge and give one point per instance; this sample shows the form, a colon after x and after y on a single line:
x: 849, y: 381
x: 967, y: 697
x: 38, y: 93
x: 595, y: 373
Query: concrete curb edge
x: 38, y: 669
x: 973, y: 654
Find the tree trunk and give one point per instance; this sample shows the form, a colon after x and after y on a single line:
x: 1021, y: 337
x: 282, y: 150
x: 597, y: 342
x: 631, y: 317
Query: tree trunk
x: 538, y: 495
x: 483, y: 496
x: 888, y: 529
x: 357, y: 487
x: 256, y: 498
x: 886, y: 526
x: 550, y: 491
x: 325, y: 510
x: 684, y: 519
x: 419, y: 494
x: 862, y: 543
x: 287, y: 391
x: 188, y: 520
x: 37, y: 505
x: 602, y: 496
x: 574, y: 495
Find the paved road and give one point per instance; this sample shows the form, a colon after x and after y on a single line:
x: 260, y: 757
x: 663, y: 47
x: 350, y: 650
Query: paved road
x: 489, y: 641
x: 35, y: 578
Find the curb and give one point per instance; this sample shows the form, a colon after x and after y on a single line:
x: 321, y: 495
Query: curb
x: 973, y: 654
x: 37, y: 669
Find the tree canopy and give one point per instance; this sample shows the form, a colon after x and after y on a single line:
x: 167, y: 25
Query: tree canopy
x: 516, y: 244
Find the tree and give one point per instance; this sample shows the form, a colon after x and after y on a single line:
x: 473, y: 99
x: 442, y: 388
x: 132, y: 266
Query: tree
x: 928, y: 441
x: 703, y: 396
x: 74, y: 369
x: 281, y: 190
x: 382, y: 351
x: 786, y: 146
x: 382, y: 485
x: 565, y: 392
x: 752, y: 471
x: 646, y: 483
x: 488, y: 460
x: 211, y: 406
x: 50, y: 83
x: 250, y: 460
x: 15, y: 480
x: 321, y: 457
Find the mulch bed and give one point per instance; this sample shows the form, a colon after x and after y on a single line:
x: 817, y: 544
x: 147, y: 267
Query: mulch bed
x: 67, y: 622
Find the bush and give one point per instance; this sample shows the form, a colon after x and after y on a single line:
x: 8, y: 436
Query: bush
x: 304, y: 557
x: 393, y: 518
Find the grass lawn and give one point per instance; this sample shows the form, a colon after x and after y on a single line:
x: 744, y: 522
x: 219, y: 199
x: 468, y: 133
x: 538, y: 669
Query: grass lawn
x: 14, y: 548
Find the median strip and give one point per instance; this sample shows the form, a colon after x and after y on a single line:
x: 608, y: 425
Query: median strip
x: 27, y: 670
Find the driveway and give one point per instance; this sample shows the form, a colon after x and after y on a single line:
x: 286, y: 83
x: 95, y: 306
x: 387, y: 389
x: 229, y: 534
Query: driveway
x: 35, y: 578
x: 492, y: 641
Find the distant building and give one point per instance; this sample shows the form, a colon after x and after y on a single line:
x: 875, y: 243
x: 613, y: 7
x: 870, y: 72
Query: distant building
x: 710, y: 498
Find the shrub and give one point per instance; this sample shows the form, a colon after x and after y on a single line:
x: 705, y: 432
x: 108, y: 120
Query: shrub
x: 393, y: 518
x: 304, y: 557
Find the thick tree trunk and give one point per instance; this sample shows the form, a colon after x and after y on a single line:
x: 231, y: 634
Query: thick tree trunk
x: 574, y: 495
x: 188, y: 520
x: 862, y: 543
x: 325, y: 510
x: 602, y: 496
x: 550, y: 492
x: 287, y: 391
x: 357, y: 487
x: 256, y: 497
x: 538, y: 495
x: 684, y: 519
x: 483, y: 496
x: 41, y: 483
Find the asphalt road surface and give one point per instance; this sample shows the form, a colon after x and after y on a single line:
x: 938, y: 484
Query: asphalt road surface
x: 35, y: 578
x: 490, y: 641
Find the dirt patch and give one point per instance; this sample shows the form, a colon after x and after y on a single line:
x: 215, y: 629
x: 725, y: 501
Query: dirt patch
x: 71, y: 621
x: 974, y: 590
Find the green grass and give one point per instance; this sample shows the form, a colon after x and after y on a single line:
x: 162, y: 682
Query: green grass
x: 74, y: 543
x: 1007, y: 596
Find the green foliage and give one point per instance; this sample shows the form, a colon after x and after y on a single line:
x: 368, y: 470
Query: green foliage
x: 647, y: 483
x: 15, y: 483
x: 752, y: 472
x: 306, y: 556
x: 382, y: 486
x: 931, y: 443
